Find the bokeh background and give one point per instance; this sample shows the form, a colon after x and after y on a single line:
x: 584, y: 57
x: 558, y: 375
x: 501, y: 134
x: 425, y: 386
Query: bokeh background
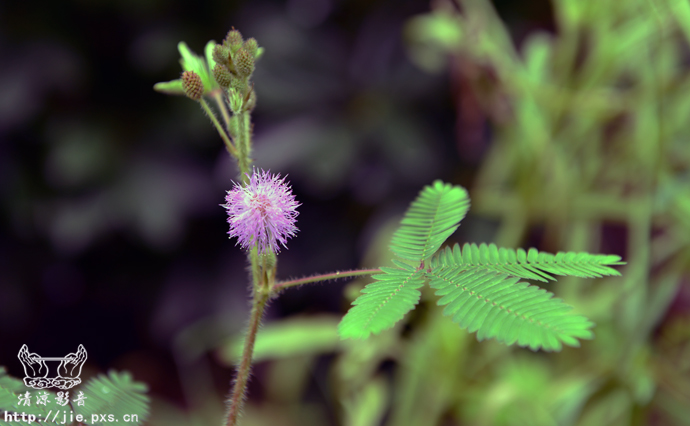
x: 567, y: 122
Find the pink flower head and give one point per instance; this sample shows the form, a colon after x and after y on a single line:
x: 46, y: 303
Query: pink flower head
x: 262, y: 213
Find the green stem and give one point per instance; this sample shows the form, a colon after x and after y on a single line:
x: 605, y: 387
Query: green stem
x: 324, y: 277
x: 239, y: 390
x: 256, y: 273
x: 228, y: 144
x: 218, y: 97
x: 244, y: 143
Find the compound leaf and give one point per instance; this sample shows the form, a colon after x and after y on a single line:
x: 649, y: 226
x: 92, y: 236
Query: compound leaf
x: 384, y: 302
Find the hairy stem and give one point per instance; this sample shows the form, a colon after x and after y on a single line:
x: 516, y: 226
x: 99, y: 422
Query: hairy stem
x: 256, y: 273
x: 244, y: 143
x: 218, y: 97
x: 262, y: 281
x: 239, y: 390
x: 324, y: 277
x: 223, y: 134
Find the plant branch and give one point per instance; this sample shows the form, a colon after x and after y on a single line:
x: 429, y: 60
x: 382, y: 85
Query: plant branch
x: 323, y: 277
x: 223, y: 134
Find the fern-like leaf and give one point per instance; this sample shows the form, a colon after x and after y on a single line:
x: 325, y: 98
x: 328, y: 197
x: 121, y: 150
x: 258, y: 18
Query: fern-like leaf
x: 496, y: 305
x: 432, y: 217
x: 10, y: 383
x: 115, y: 394
x: 10, y: 391
x: 384, y: 302
x: 532, y: 265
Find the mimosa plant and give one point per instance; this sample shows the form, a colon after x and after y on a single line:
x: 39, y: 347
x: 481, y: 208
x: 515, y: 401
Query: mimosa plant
x: 480, y: 286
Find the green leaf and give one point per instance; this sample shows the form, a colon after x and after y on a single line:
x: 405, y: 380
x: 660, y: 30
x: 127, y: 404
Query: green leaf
x: 173, y: 87
x: 10, y: 390
x: 531, y: 265
x: 367, y: 406
x: 439, y: 29
x: 432, y: 217
x: 9, y: 402
x: 190, y: 61
x: 115, y: 394
x: 384, y: 302
x: 208, y: 51
x: 10, y: 383
x: 292, y: 337
x: 496, y: 305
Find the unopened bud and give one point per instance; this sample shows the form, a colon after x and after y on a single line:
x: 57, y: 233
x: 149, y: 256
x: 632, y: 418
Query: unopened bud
x: 233, y: 39
x: 222, y: 75
x: 251, y: 46
x: 220, y: 54
x: 192, y: 85
x: 244, y: 63
x: 236, y: 101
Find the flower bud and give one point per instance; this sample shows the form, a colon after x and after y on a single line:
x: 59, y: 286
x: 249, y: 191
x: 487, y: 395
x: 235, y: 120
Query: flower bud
x: 244, y: 63
x: 192, y: 85
x: 251, y: 46
x: 222, y: 75
x: 220, y: 54
x: 233, y: 39
x: 236, y: 101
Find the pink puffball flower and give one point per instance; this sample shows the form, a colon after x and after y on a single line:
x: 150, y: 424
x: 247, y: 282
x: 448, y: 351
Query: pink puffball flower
x: 262, y: 213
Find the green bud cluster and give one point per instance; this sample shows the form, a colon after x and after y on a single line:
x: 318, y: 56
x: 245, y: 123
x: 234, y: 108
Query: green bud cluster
x: 235, y: 62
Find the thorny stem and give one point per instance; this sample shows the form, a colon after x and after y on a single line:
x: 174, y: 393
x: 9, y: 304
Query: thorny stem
x: 228, y: 144
x: 324, y: 277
